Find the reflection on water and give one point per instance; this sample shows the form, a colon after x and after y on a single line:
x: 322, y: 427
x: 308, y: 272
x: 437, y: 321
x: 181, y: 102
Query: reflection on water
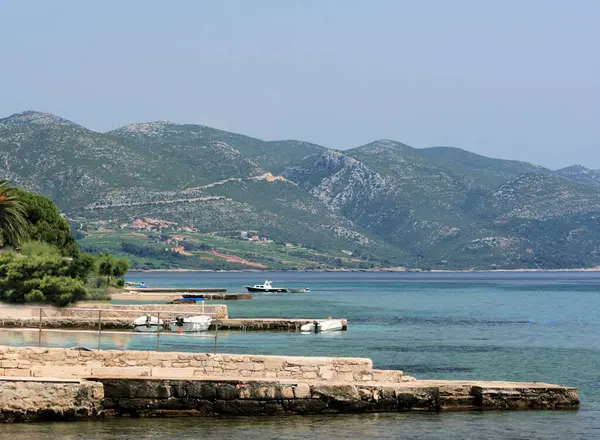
x: 472, y: 425
x: 108, y: 340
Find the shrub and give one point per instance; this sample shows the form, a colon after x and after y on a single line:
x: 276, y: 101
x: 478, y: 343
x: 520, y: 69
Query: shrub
x: 38, y: 279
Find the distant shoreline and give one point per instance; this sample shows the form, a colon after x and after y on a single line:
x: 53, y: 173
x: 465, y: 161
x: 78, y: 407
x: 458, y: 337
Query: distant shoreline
x: 382, y: 270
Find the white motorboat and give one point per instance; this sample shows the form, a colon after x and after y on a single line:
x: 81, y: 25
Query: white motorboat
x: 305, y: 290
x: 266, y: 287
x: 190, y: 324
x: 148, y: 323
x: 323, y: 325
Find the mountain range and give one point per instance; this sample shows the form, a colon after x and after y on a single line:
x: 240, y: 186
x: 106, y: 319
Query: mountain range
x: 385, y: 202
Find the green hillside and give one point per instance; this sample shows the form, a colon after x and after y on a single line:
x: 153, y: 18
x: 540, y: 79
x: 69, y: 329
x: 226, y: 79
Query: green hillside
x: 381, y: 204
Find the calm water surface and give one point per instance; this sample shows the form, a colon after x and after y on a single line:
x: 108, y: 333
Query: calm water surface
x: 504, y: 326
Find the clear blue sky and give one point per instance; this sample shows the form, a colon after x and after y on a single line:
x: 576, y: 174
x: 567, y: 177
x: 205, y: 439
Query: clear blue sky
x: 516, y: 79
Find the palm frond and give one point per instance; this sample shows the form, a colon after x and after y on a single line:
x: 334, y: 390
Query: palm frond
x: 13, y: 222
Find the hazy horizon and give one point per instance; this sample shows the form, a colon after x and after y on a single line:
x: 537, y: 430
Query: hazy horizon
x: 516, y: 80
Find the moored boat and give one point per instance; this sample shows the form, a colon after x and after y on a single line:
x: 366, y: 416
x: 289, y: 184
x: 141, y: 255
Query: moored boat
x: 323, y: 325
x: 265, y: 287
x: 147, y: 323
x: 190, y: 324
x: 305, y: 290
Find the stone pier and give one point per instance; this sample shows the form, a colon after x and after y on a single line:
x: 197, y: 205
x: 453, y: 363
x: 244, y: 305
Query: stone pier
x: 55, y: 383
x: 120, y: 317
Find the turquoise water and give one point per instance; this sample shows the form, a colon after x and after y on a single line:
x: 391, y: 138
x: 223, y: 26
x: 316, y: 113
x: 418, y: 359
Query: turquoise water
x: 504, y: 326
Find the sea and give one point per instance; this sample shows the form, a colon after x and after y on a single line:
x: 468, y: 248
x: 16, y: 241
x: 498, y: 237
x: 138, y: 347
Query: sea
x: 521, y: 326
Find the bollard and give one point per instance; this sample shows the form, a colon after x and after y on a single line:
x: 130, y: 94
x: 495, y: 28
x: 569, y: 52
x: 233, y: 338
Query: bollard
x: 216, y: 334
x: 99, y: 327
x: 40, y: 332
x: 158, y: 333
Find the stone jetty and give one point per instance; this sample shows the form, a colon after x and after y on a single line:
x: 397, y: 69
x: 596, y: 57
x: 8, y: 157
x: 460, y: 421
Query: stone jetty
x: 175, y: 296
x: 120, y: 317
x: 175, y: 290
x: 51, y: 383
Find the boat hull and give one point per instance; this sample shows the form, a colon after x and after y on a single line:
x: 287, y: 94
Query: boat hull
x: 328, y: 325
x: 148, y: 324
x: 269, y: 290
x: 152, y: 328
x: 191, y: 325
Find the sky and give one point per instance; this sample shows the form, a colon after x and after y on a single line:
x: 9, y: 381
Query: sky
x: 514, y: 79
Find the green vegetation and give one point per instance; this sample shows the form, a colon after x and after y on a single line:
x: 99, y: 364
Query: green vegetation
x: 47, y: 279
x: 49, y: 268
x: 45, y: 223
x: 110, y: 266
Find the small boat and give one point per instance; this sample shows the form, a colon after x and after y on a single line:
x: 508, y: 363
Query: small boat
x: 185, y: 300
x: 305, y: 290
x: 266, y: 287
x: 148, y: 323
x: 135, y: 284
x: 190, y: 324
x: 324, y: 325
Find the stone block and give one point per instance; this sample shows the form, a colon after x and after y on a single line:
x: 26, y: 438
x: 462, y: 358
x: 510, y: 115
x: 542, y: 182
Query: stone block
x: 18, y: 372
x: 201, y: 390
x: 302, y: 391
x: 287, y: 393
x: 422, y: 398
x: 365, y: 393
x: 244, y: 392
x: 387, y: 375
x: 273, y: 363
x: 335, y: 392
x: 9, y: 363
x: 226, y: 391
x: 269, y: 392
x: 180, y: 364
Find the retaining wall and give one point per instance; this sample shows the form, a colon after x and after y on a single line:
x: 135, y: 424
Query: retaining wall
x: 116, y: 311
x: 113, y: 315
x: 142, y: 397
x: 60, y: 362
x: 23, y: 400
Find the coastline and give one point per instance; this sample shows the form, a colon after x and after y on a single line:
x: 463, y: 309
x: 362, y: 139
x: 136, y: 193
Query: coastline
x: 384, y: 270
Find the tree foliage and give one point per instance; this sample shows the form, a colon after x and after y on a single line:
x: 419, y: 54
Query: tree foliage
x: 46, y: 224
x: 44, y: 279
x: 110, y: 266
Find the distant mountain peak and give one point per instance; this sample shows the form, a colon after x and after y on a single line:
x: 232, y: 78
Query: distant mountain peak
x: 382, y: 145
x: 580, y: 174
x: 156, y: 129
x: 34, y: 117
x: 576, y: 169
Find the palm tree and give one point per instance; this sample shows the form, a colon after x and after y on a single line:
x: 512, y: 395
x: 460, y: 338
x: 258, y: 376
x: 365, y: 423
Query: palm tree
x: 13, y: 224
